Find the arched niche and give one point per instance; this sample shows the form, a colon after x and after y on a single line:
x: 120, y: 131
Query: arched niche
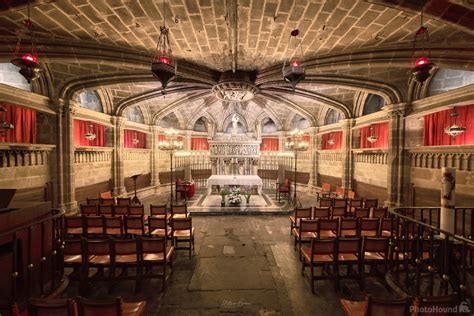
x: 135, y: 114
x: 269, y: 126
x: 242, y: 126
x: 300, y: 122
x: 200, y: 125
x: 449, y: 79
x: 169, y: 121
x: 10, y: 76
x: 90, y: 100
x: 373, y: 103
x: 332, y: 117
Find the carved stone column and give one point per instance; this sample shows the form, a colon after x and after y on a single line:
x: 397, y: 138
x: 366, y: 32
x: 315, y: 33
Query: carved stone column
x: 346, y: 151
x: 155, y: 178
x: 448, y: 199
x: 254, y: 162
x: 396, y: 160
x: 65, y: 154
x: 227, y: 162
x: 118, y: 161
x: 313, y: 177
x: 214, y: 165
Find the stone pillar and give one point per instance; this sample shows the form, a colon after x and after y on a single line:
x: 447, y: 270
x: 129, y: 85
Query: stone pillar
x: 227, y: 162
x: 214, y: 161
x: 448, y: 186
x: 65, y: 154
x: 254, y: 163
x: 118, y: 160
x: 397, y: 185
x: 346, y: 151
x: 153, y: 139
x: 313, y: 177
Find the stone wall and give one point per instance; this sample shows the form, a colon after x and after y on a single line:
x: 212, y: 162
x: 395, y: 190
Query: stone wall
x: 92, y: 165
x: 137, y: 161
x: 330, y: 163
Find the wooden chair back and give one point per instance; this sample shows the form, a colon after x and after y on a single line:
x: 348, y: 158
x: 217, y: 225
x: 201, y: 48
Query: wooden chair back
x: 134, y: 225
x: 302, y: 213
x: 322, y: 247
x: 308, y: 226
x: 124, y: 201
x: 321, y: 212
x: 52, y: 307
x: 376, y: 244
x: 340, y: 192
x: 74, y: 225
x: 362, y: 212
x: 106, y: 209
x: 179, y: 210
x: 137, y: 210
x: 325, y: 202
x: 339, y: 202
x: 158, y: 226
x: 351, y: 195
x: 121, y: 210
x: 88, y: 209
x: 380, y: 212
x: 113, y: 225
x: 369, y: 203
x: 346, y: 246
x: 158, y: 210
x: 95, y: 201
x: 107, y: 201
x: 338, y: 211
x: 377, y: 307
x: 153, y: 245
x: 181, y: 224
x: 99, y: 307
x: 349, y: 227
x: 94, y: 225
x: 369, y: 227
x: 327, y: 227
x: 326, y: 187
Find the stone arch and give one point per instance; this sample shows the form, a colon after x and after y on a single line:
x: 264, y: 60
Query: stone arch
x: 89, y: 99
x: 332, y: 116
x: 228, y: 120
x: 135, y: 114
x: 197, y: 116
x: 445, y: 80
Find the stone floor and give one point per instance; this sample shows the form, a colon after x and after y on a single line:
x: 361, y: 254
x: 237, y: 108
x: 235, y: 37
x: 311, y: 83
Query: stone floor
x: 243, y: 265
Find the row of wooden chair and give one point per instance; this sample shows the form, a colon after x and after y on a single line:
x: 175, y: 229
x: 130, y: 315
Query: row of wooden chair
x: 335, y: 252
x: 122, y: 210
x: 110, y: 201
x: 346, y: 202
x: 130, y: 226
x: 334, y: 212
x: 78, y: 306
x: 142, y: 253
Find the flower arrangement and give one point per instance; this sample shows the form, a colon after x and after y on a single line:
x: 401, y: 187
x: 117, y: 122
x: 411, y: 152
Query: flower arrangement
x: 247, y: 192
x: 223, y: 193
x: 234, y: 196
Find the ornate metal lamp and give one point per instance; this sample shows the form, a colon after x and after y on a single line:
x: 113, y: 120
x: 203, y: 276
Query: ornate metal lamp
x: 90, y: 135
x: 28, y: 63
x: 422, y: 67
x: 135, y: 139
x: 163, y: 66
x: 172, y: 144
x: 331, y: 140
x: 372, y: 138
x: 454, y: 130
x: 296, y: 144
x: 4, y: 125
x: 294, y: 72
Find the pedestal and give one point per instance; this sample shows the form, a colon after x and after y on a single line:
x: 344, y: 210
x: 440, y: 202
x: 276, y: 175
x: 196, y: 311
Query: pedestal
x: 448, y: 184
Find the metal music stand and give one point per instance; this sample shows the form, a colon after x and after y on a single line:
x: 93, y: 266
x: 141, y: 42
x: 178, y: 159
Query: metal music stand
x: 135, y: 199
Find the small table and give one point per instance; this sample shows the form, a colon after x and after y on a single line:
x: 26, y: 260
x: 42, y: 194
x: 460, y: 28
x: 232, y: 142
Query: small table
x: 234, y: 180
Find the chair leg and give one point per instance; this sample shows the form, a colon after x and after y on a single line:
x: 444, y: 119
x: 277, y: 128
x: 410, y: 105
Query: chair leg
x: 164, y: 275
x: 304, y: 264
x: 312, y: 277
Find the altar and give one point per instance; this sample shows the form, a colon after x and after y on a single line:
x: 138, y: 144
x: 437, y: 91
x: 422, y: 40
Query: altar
x: 240, y: 180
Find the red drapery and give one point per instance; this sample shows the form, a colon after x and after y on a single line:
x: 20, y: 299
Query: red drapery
x: 269, y: 144
x: 81, y: 128
x: 129, y: 135
x: 161, y: 137
x: 336, y: 136
x: 24, y: 122
x: 380, y: 130
x: 199, y: 143
x: 435, y: 123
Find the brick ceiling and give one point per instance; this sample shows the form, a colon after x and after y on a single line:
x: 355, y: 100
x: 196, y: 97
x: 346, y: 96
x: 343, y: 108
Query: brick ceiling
x: 202, y: 36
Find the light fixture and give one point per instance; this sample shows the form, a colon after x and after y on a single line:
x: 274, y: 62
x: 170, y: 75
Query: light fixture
x: 163, y: 66
x: 372, y: 138
x: 90, y: 135
x: 27, y: 61
x: 294, y: 72
x: 296, y: 144
x: 135, y: 139
x: 171, y: 144
x: 331, y: 140
x: 454, y: 130
x: 4, y: 125
x: 422, y: 67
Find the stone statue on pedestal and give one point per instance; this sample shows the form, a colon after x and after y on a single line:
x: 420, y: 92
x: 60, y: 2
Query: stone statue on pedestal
x: 235, y: 120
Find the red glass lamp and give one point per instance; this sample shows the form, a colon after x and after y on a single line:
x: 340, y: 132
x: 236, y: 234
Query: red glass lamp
x: 294, y: 72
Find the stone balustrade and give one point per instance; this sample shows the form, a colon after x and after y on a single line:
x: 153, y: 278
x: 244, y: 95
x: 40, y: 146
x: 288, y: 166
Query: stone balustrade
x: 92, y: 154
x: 23, y: 155
x: 461, y: 158
x: 378, y: 157
x: 330, y: 155
x: 137, y: 154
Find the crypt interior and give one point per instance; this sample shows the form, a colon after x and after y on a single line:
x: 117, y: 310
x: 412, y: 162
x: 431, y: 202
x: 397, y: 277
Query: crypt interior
x: 248, y: 157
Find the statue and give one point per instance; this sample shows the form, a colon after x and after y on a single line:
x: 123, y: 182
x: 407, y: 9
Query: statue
x: 235, y: 120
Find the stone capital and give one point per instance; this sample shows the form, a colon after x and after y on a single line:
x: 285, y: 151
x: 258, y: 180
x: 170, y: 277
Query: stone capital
x: 395, y: 110
x: 118, y: 121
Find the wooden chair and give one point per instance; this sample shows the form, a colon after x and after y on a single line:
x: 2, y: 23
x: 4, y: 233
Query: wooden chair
x: 73, y: 250
x: 89, y: 209
x: 351, y: 195
x: 349, y: 252
x: 282, y: 188
x: 321, y: 212
x: 380, y: 212
x: 158, y: 227
x: 325, y: 189
x: 52, y: 306
x: 325, y: 202
x: 327, y: 228
x: 321, y: 252
x: 179, y: 188
x: 125, y: 253
x: 134, y: 226
x: 369, y: 227
x: 155, y: 251
x: 340, y: 192
x: 106, y: 209
x: 338, y: 211
x: 374, y: 307
x: 124, y: 201
x: 95, y: 201
x: 339, y: 202
x: 362, y: 212
x: 99, y: 255
x: 121, y: 210
x: 94, y: 226
x: 113, y: 226
x: 182, y: 230
x: 179, y: 211
x: 138, y: 210
x: 349, y: 227
x: 375, y: 250
x: 159, y: 211
x: 109, y: 307
x: 353, y: 204
x: 371, y: 203
x: 387, y: 225
x: 300, y: 213
x: 107, y: 201
x: 307, y: 230
x: 74, y: 225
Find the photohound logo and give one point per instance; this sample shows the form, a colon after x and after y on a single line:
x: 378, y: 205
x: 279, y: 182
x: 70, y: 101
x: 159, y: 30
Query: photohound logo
x: 462, y: 308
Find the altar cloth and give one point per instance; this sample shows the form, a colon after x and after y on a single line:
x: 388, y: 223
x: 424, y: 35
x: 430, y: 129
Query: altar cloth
x: 239, y: 180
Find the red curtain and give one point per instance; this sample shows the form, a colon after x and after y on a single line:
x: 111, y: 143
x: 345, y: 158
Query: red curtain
x: 269, y: 144
x: 199, y: 143
x: 24, y: 122
x: 380, y: 130
x: 435, y: 123
x: 336, y: 136
x: 80, y: 130
x: 129, y: 135
x: 161, y: 137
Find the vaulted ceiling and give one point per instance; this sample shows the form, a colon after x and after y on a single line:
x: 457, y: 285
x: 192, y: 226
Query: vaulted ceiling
x: 348, y: 46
